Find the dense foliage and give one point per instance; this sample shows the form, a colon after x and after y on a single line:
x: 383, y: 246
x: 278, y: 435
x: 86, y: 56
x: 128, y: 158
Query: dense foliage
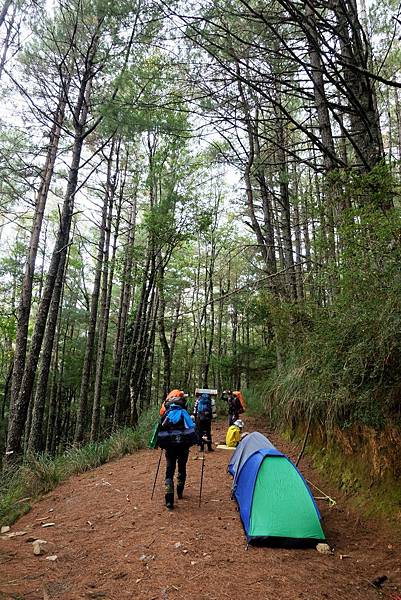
x: 203, y: 195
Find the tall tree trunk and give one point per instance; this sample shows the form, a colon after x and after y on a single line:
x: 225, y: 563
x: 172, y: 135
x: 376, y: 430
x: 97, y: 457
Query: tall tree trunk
x: 209, y: 297
x: 36, y: 441
x: 142, y: 349
x: 42, y: 264
x: 279, y: 242
x: 298, y: 248
x: 56, y: 379
x: 162, y: 334
x: 219, y: 341
x: 8, y: 39
x: 268, y: 227
x: 24, y: 307
x: 4, y: 11
x: 125, y: 298
x: 321, y: 103
x: 304, y: 214
x: 236, y: 372
x: 20, y: 407
x: 266, y: 246
x: 285, y: 215
x: 174, y: 329
x: 87, y: 367
x: 364, y: 114
x: 398, y: 118
x: 107, y: 284
x: 132, y: 344
x: 138, y: 380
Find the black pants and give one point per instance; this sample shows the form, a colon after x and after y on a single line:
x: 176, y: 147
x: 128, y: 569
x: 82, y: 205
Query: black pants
x: 205, y: 431
x: 176, y: 456
x: 232, y: 418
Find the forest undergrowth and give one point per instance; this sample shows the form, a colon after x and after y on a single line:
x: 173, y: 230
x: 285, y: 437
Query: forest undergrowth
x: 218, y: 206
x: 342, y: 455
x: 41, y: 473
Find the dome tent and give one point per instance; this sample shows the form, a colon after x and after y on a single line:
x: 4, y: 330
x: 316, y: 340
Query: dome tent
x: 274, y: 500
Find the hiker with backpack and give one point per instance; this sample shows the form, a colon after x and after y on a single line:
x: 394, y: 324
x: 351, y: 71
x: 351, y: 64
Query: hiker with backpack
x: 176, y: 435
x: 234, y: 405
x: 203, y: 413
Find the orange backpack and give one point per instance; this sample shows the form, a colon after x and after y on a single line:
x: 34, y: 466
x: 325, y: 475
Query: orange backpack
x: 240, y: 397
x: 176, y: 396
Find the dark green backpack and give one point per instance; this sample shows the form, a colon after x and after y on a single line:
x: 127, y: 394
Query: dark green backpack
x: 152, y: 443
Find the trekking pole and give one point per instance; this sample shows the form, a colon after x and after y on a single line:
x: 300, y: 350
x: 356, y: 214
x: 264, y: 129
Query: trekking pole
x: 203, y: 466
x: 157, y: 472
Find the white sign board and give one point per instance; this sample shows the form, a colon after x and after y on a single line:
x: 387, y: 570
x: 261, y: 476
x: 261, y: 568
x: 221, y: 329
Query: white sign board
x: 205, y: 391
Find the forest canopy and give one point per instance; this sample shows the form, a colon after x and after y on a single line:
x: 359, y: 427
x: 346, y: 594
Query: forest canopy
x: 201, y: 194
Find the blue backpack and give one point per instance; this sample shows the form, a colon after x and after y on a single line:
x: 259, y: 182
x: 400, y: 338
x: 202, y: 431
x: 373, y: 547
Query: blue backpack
x: 204, y: 409
x: 176, y: 429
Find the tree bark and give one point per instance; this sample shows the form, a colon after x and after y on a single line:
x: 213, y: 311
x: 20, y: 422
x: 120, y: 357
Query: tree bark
x: 7, y: 42
x: 107, y: 283
x: 36, y: 441
x: 125, y: 299
x: 298, y: 242
x: 24, y: 307
x: 87, y: 367
x: 398, y: 118
x: 4, y: 11
x: 20, y: 407
x: 316, y: 73
x: 132, y: 343
x: 364, y: 115
x: 138, y: 380
x: 162, y: 333
x: 53, y: 393
x: 285, y: 215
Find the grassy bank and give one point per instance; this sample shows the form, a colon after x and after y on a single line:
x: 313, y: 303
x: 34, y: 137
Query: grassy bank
x: 40, y: 474
x: 357, y: 460
x: 380, y: 497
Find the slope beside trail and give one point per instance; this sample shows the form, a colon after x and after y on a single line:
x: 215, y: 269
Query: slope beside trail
x: 112, y: 541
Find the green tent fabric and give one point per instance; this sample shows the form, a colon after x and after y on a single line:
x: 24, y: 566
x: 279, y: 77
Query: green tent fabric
x: 275, y: 502
x: 282, y: 505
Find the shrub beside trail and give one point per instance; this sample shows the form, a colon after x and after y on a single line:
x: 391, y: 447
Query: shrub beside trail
x: 41, y: 473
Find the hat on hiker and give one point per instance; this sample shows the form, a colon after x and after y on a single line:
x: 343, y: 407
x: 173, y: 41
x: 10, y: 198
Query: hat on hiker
x: 239, y: 423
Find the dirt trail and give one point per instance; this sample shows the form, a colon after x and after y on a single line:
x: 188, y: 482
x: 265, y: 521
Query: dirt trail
x: 113, y: 542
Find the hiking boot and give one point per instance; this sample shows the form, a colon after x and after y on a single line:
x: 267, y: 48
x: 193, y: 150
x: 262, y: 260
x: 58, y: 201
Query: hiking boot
x: 169, y: 500
x: 180, y: 491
